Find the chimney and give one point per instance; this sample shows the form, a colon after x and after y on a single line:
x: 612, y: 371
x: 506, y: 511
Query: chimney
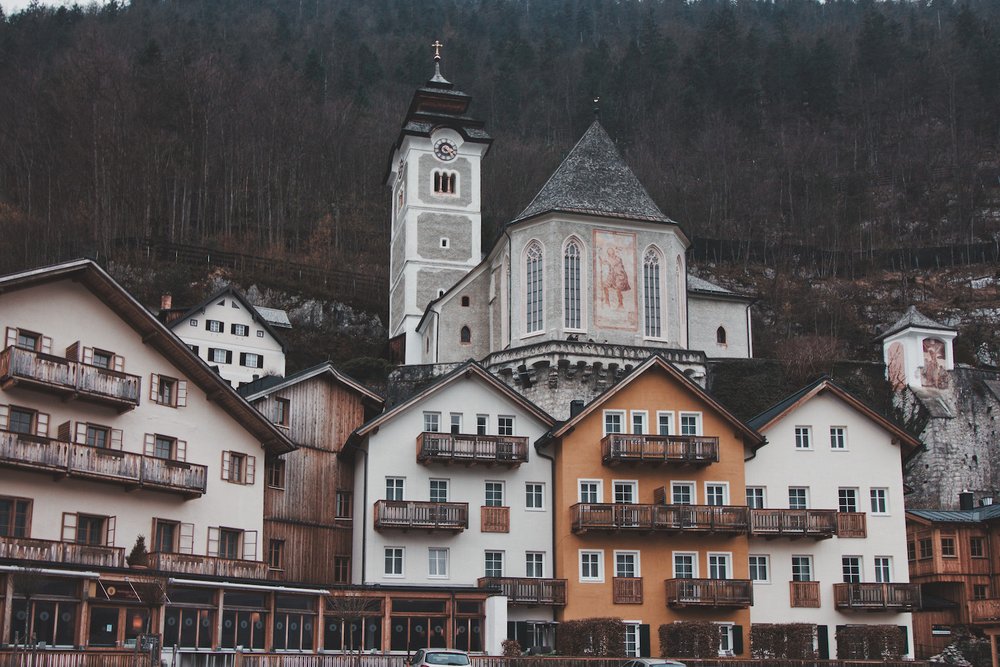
x: 575, y: 407
x: 166, y: 301
x: 966, y: 500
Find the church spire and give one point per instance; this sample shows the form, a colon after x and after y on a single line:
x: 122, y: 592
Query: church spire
x: 437, y: 78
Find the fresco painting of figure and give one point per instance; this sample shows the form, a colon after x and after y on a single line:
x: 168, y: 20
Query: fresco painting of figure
x: 897, y: 366
x: 615, y: 298
x: 934, y: 374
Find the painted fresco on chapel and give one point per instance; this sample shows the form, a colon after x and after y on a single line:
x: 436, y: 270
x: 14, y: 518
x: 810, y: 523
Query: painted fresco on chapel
x: 615, y: 286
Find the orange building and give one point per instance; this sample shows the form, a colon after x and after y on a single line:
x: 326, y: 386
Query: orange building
x: 651, y: 520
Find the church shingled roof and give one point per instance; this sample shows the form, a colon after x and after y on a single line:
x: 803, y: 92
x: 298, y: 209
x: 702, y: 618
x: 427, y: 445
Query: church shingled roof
x: 913, y: 318
x: 594, y: 179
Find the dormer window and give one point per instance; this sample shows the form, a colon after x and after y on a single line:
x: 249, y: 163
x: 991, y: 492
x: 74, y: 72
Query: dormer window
x: 445, y: 182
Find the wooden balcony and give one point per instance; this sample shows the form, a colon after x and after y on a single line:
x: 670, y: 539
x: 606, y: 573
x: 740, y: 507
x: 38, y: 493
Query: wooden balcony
x: 414, y: 514
x: 736, y: 593
x: 505, y: 450
x: 984, y: 611
x: 725, y: 519
x: 208, y: 566
x: 494, y: 519
x: 774, y: 523
x: 851, y: 524
x: 803, y: 593
x: 66, y: 459
x: 626, y: 590
x: 877, y: 597
x: 49, y: 551
x: 528, y: 590
x: 69, y: 379
x: 655, y: 450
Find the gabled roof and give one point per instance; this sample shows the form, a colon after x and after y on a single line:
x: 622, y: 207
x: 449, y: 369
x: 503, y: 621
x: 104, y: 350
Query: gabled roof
x: 467, y: 369
x: 163, y: 340
x: 274, y: 316
x: 975, y: 515
x: 594, y: 179
x: 272, y: 383
x: 700, y: 286
x: 752, y: 437
x: 826, y: 384
x: 257, y: 316
x: 915, y: 319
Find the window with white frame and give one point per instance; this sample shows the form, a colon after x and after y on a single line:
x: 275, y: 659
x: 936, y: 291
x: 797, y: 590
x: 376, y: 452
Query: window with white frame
x: 883, y: 569
x: 494, y: 494
x: 215, y: 326
x: 240, y: 329
x: 880, y: 501
x: 591, y: 566
x: 838, y: 437
x: 760, y: 568
x: 627, y: 564
x: 394, y: 561
x: 482, y: 424
x: 456, y: 422
x: 803, y: 437
x: 755, y: 497
x: 533, y: 288
x: 716, y: 493
x: 798, y: 498
x: 439, y: 491
x: 534, y: 564
x: 685, y: 566
x: 432, y: 422
x: 571, y: 286
x: 631, y: 639
x: 682, y: 493
x: 665, y: 423
x: 393, y: 488
x: 614, y: 421
x: 719, y: 566
x: 726, y: 643
x: 851, y: 567
x: 590, y: 491
x: 652, y: 314
x: 493, y: 564
x: 534, y: 496
x: 847, y: 499
x: 625, y: 492
x: 639, y: 420
x: 505, y: 425
x: 437, y: 562
x: 802, y: 567
x: 690, y: 423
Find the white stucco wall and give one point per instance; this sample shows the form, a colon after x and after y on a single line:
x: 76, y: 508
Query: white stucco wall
x: 870, y: 460
x: 706, y: 315
x: 912, y: 341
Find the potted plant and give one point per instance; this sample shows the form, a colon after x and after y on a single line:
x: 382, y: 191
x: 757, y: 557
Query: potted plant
x: 139, y: 556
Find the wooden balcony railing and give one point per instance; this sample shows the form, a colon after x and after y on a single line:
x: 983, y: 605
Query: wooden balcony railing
x: 729, y: 519
x: 507, y: 450
x: 984, y: 611
x: 772, y: 523
x: 494, y: 519
x: 50, y: 373
x: 877, y: 597
x: 626, y: 590
x: 30, y: 452
x: 208, y: 566
x: 709, y: 592
x: 659, y: 449
x: 49, y: 551
x: 851, y: 524
x: 528, y: 590
x: 408, y: 514
x: 803, y: 593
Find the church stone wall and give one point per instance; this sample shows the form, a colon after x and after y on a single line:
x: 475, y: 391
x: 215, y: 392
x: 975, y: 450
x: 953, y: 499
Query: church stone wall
x: 398, y: 251
x: 706, y: 315
x: 429, y: 281
x: 425, y: 185
x: 396, y: 304
x: 432, y: 227
x: 475, y: 316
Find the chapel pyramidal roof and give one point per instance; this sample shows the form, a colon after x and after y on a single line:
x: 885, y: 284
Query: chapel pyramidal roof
x: 913, y: 318
x: 594, y: 179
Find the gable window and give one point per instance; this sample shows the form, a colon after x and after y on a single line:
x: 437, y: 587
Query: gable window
x: 838, y: 437
x: 456, y: 422
x: 251, y: 360
x: 240, y: 329
x: 639, y: 422
x: 238, y: 468
x: 571, y: 286
x: 533, y: 288
x: 465, y: 336
x: 720, y: 335
x: 482, y: 424
x: 432, y: 422
x: 167, y: 391
x: 15, y: 516
x: 215, y: 326
x: 690, y: 424
x: 803, y: 437
x: 282, y: 407
x: 614, y: 421
x: 651, y: 294
x: 505, y: 425
x: 445, y: 182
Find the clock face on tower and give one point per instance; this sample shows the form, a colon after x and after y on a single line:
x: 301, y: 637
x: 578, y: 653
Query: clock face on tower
x: 445, y: 150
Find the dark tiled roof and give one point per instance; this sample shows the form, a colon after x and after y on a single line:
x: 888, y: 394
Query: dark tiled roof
x: 913, y: 318
x: 764, y: 418
x: 974, y: 515
x: 594, y: 179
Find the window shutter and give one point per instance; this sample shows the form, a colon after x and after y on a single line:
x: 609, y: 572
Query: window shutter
x: 149, y: 446
x: 737, y: 640
x: 182, y: 449
x: 81, y: 433
x: 260, y: 361
x: 823, y: 641
x: 213, y: 541
x: 154, y: 386
x: 243, y: 358
x: 88, y: 355
x: 109, y: 539
x: 69, y: 527
x: 11, y: 337
x: 118, y: 363
x: 46, y: 345
x: 229, y: 356
x: 906, y: 639
x: 63, y: 431
x: 116, y: 439
x: 185, y: 544
x: 42, y: 424
x: 645, y: 649
x: 250, y: 545
x: 73, y: 351
x: 251, y: 469
x: 182, y: 394
x: 4, y: 417
x: 226, y: 458
x: 208, y: 325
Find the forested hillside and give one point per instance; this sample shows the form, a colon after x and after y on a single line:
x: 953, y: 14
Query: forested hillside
x: 264, y: 126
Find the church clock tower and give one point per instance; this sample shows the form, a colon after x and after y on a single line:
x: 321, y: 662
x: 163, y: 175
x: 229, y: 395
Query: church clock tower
x: 434, y: 176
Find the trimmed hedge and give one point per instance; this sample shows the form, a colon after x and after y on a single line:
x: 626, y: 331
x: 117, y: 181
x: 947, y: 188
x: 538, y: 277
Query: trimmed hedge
x: 870, y: 642
x: 689, y: 639
x: 598, y: 637
x: 787, y: 641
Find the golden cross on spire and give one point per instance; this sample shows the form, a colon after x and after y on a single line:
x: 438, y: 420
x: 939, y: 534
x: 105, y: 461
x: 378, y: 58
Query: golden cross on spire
x: 437, y: 49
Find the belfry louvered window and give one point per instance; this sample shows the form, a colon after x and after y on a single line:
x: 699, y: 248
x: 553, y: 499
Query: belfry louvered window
x: 533, y: 288
x: 571, y: 286
x: 651, y: 293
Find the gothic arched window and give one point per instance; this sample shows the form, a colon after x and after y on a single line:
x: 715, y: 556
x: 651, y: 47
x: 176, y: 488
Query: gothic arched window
x: 720, y: 335
x: 533, y: 288
x: 571, y: 286
x: 652, y: 311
